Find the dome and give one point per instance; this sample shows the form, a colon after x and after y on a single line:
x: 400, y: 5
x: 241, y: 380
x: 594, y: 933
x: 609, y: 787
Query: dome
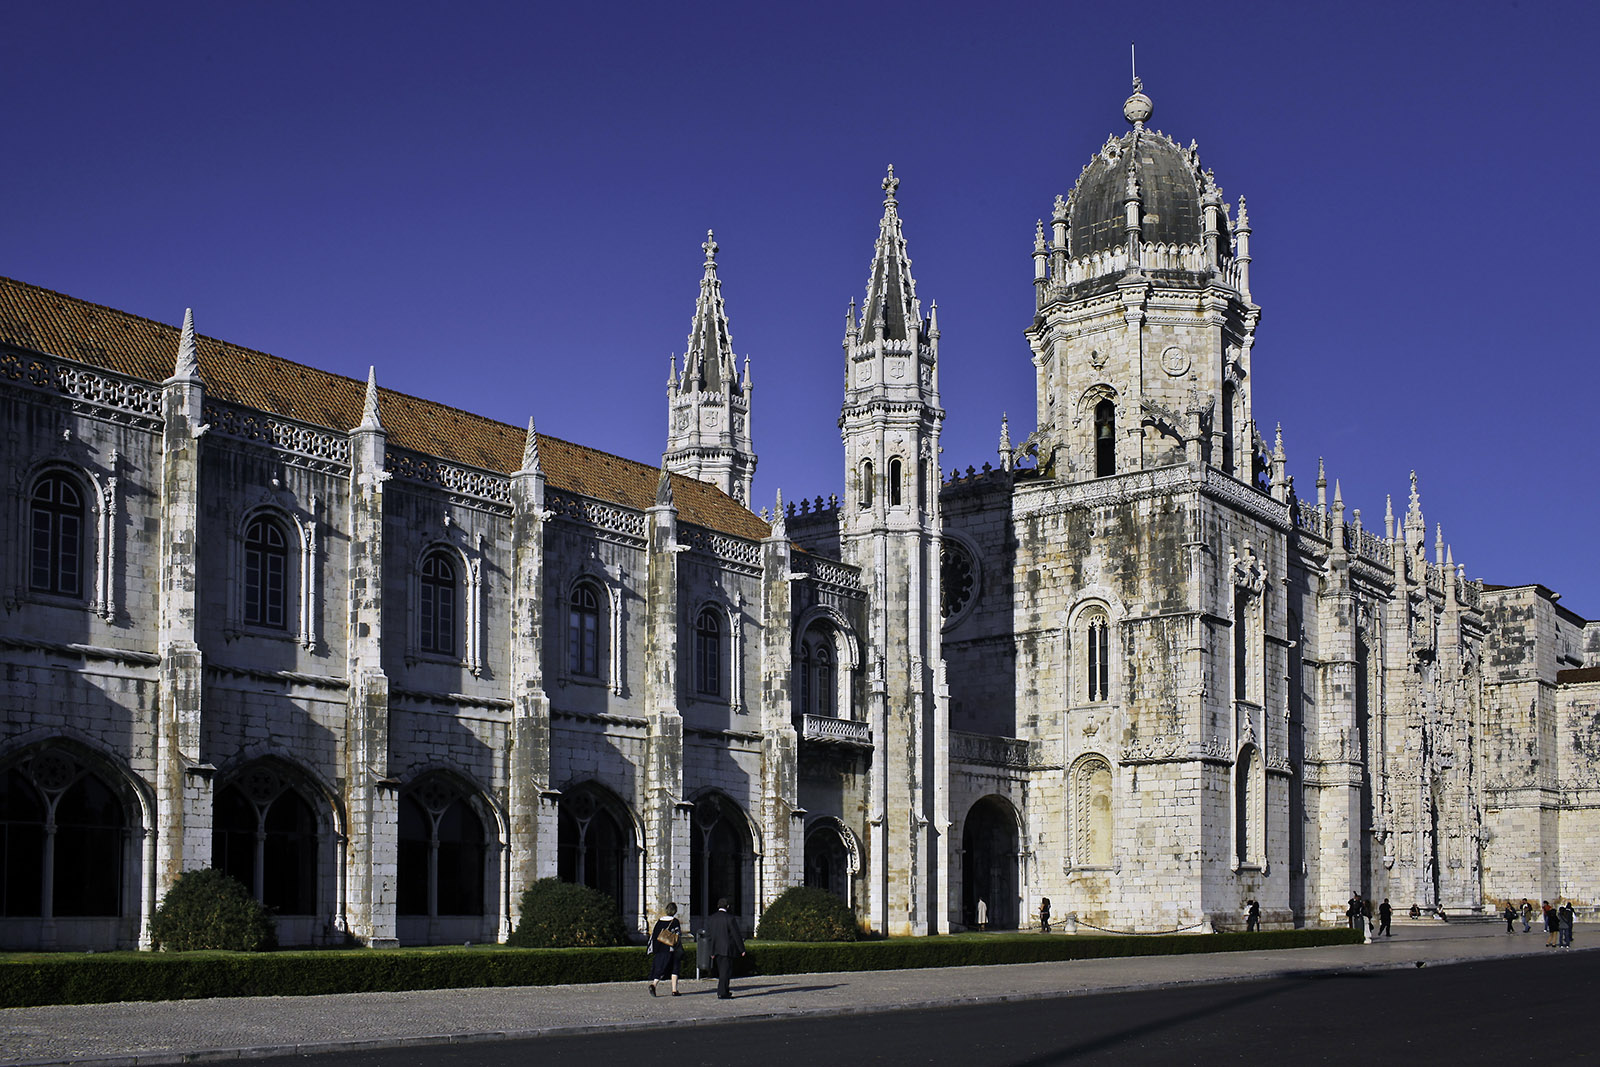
x: 1170, y: 190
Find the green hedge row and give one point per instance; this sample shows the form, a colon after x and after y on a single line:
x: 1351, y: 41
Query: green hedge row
x: 35, y: 979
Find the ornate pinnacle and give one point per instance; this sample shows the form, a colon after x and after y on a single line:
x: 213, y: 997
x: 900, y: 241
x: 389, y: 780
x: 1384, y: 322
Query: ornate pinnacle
x: 780, y: 523
x: 1059, y: 212
x: 710, y: 246
x: 1243, y: 224
x: 664, y: 489
x: 530, y: 451
x: 1388, y: 517
x: 1005, y: 433
x: 890, y: 184
x: 369, y: 408
x: 187, y: 368
x: 1038, y: 236
x: 672, y: 369
x: 1277, y: 443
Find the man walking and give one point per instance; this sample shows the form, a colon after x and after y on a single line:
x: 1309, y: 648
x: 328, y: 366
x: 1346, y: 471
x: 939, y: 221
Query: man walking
x: 1564, y: 918
x: 1527, y: 914
x: 1385, y: 913
x: 723, y: 939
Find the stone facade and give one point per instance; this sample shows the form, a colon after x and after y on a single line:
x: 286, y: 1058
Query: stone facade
x: 388, y: 663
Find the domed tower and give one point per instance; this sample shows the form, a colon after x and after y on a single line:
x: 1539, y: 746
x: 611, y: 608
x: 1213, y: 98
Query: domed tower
x: 1142, y: 339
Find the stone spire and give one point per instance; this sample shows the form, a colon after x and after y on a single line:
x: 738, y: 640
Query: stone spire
x: 187, y: 367
x: 1416, y: 526
x: 891, y: 291
x: 780, y: 522
x: 708, y: 406
x: 369, y: 408
x: 664, y: 489
x: 1007, y: 453
x: 530, y: 451
x: 708, y: 362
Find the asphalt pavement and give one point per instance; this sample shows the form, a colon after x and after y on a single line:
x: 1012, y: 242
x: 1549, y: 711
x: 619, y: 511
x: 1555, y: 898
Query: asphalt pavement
x: 254, y: 1027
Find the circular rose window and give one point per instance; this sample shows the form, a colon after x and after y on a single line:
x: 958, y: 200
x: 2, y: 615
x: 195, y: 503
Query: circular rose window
x: 957, y: 579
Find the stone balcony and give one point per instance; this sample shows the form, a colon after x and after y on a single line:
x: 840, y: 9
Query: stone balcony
x: 835, y: 731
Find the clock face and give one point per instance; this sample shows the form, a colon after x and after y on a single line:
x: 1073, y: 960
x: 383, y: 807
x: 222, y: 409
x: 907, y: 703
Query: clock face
x: 1175, y: 361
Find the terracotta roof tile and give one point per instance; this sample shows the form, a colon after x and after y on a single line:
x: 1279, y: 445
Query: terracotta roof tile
x: 69, y: 328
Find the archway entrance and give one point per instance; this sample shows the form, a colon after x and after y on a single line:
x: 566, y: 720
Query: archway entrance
x: 595, y: 846
x: 989, y: 864
x: 828, y: 861
x: 721, y: 859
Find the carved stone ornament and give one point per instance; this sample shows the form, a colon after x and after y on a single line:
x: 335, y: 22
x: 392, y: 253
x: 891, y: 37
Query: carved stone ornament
x: 1175, y: 361
x: 1097, y: 358
x: 1248, y: 573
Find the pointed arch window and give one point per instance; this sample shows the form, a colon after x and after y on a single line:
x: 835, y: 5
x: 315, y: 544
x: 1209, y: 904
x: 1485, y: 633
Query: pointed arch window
x: 62, y: 838
x: 266, y: 567
x: 803, y: 678
x: 437, y: 605
x: 865, y: 488
x: 822, y: 660
x: 1247, y: 807
x: 442, y: 854
x: 1094, y: 633
x: 1230, y: 395
x: 708, y: 653
x: 57, y: 525
x: 1105, y: 438
x: 583, y: 632
x: 265, y: 835
x: 896, y: 479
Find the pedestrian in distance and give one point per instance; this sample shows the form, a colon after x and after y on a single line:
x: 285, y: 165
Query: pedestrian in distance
x: 1550, y: 925
x: 1252, y: 922
x: 1352, y: 911
x: 666, y: 949
x: 1385, y: 916
x: 1564, y: 918
x: 1510, y: 916
x: 722, y: 941
x: 1044, y: 915
x: 1527, y: 914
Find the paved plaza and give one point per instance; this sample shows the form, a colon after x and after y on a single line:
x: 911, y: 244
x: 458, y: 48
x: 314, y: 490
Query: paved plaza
x: 250, y: 1027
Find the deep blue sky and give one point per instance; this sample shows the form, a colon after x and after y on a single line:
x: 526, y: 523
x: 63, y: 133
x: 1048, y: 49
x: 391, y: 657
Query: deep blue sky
x: 502, y: 206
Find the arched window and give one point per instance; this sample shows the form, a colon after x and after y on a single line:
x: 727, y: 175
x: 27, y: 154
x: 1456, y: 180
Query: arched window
x: 1105, y: 438
x: 822, y: 661
x: 708, y: 653
x: 1092, y: 813
x: 1098, y: 655
x: 803, y: 678
x: 441, y: 860
x: 721, y: 859
x: 56, y: 549
x: 865, y: 488
x: 896, y: 477
x: 436, y: 607
x: 1229, y: 395
x: 266, y: 566
x: 1241, y: 645
x: 62, y: 828
x: 265, y: 835
x: 1247, y: 802
x: 583, y: 632
x: 594, y: 844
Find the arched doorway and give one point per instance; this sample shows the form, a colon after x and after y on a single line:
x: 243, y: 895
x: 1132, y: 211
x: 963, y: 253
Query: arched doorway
x: 267, y: 834
x: 594, y: 846
x: 68, y: 862
x: 721, y: 859
x: 830, y: 859
x: 443, y: 864
x: 989, y: 864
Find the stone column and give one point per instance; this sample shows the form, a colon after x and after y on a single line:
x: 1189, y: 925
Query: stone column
x: 530, y: 805
x: 666, y: 845
x: 781, y: 823
x: 183, y: 780
x: 371, y: 796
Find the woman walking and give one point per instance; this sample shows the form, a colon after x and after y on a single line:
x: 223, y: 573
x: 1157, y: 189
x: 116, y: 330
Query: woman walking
x: 666, y: 949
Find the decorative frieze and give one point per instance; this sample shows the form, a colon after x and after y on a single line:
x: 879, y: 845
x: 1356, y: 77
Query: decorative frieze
x: 989, y: 749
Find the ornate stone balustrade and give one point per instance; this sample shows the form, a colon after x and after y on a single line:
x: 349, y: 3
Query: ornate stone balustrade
x: 273, y: 431
x: 990, y: 749
x: 735, y: 550
x: 607, y: 517
x: 829, y: 572
x: 463, y: 481
x: 85, y: 385
x: 836, y: 731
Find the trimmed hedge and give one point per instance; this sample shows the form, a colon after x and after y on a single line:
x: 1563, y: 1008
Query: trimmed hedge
x: 44, y: 978
x: 804, y: 914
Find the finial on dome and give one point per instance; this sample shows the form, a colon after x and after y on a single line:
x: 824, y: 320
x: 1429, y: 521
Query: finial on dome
x: 890, y: 184
x: 1137, y: 109
x: 709, y: 246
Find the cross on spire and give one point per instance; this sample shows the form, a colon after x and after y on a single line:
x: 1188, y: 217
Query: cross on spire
x: 709, y: 247
x: 890, y: 184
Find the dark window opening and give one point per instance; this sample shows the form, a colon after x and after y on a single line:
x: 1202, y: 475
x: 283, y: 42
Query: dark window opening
x: 708, y: 653
x: 438, y: 605
x: 583, y: 632
x: 1105, y: 438
x: 57, y: 517
x: 266, y: 563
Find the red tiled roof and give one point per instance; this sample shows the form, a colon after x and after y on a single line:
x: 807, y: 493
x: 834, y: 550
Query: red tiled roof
x: 1578, y: 674
x: 69, y: 328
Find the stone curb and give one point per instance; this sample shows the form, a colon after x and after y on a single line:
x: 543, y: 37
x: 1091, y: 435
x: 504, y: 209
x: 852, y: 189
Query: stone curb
x: 220, y: 1055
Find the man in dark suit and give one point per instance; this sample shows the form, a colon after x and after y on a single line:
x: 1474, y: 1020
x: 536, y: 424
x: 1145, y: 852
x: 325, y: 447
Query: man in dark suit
x: 723, y: 939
